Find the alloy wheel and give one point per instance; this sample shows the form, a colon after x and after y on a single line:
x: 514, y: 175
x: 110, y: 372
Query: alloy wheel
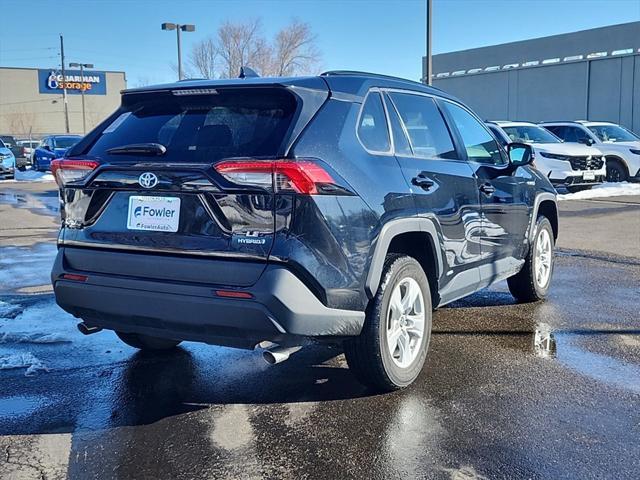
x: 405, y: 322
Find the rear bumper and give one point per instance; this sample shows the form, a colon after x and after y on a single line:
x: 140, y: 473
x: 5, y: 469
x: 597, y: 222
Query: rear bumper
x: 282, y: 307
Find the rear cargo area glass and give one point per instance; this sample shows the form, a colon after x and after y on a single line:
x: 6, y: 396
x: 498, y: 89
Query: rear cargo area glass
x: 201, y: 128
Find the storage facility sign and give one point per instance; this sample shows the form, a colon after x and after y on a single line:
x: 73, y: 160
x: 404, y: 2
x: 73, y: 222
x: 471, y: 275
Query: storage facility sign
x: 92, y: 83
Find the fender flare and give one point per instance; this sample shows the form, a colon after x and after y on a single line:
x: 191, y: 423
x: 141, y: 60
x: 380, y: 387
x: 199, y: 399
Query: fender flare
x: 389, y: 231
x: 541, y: 197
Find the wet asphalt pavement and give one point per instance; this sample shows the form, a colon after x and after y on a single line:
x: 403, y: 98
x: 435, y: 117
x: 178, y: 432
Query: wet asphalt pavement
x: 546, y: 390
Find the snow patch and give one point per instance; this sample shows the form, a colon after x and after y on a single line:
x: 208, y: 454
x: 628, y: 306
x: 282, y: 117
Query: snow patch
x: 6, y: 309
x: 31, y: 176
x: 604, y: 190
x: 22, y: 360
x: 26, y: 266
x: 44, y: 322
x: 26, y: 337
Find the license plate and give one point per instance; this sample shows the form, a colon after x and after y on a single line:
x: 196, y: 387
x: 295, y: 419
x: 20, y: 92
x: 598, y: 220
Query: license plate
x: 588, y: 176
x: 156, y: 214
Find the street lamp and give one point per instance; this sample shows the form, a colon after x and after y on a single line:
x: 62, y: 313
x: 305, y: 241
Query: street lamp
x: 178, y: 28
x: 82, y: 67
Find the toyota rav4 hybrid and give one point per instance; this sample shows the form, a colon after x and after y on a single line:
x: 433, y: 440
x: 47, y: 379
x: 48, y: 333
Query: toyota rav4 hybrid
x: 341, y: 208
x: 573, y: 166
x: 620, y: 146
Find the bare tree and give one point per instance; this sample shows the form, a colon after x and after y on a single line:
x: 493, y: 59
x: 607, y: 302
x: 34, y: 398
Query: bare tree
x: 241, y: 44
x: 292, y: 52
x: 204, y: 58
x: 295, y: 51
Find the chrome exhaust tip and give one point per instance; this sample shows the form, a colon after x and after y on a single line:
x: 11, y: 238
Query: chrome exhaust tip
x: 279, y: 354
x: 87, y: 330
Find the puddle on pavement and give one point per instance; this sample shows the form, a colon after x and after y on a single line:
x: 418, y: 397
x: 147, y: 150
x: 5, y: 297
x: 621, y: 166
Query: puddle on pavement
x: 44, y: 203
x: 565, y: 349
x: 19, y: 405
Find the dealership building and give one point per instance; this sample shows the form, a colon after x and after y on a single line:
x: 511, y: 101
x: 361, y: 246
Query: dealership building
x: 587, y: 75
x: 31, y: 99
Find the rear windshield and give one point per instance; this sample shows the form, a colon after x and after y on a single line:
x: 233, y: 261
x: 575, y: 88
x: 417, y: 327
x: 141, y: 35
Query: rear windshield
x: 202, y: 128
x: 66, y: 142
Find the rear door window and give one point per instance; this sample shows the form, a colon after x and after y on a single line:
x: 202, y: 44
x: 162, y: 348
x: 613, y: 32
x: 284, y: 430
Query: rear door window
x: 428, y: 133
x: 373, y: 131
x: 231, y: 122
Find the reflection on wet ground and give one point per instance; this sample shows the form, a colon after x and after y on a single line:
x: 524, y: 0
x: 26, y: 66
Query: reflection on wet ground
x: 546, y: 390
x: 46, y: 202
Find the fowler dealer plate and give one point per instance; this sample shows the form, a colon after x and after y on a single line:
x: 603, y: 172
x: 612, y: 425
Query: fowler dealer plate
x: 157, y: 214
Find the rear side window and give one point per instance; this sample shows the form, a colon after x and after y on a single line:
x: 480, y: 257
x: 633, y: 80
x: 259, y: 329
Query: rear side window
x: 203, y: 128
x: 372, y: 125
x: 429, y: 135
x: 478, y: 142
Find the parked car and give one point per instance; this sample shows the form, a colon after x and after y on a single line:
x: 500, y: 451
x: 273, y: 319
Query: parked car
x: 10, y: 142
x: 53, y: 146
x: 575, y: 167
x: 341, y: 208
x: 621, y: 147
x: 27, y: 147
x: 7, y: 161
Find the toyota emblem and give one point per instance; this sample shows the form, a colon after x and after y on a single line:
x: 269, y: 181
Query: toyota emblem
x: 148, y: 180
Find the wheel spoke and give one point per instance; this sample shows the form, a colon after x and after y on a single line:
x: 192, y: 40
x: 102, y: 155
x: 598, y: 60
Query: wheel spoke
x: 410, y: 296
x: 403, y: 347
x: 415, y: 325
x: 393, y: 337
x: 396, y: 304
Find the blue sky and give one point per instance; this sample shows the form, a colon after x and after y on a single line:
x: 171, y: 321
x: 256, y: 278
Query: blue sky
x: 373, y: 35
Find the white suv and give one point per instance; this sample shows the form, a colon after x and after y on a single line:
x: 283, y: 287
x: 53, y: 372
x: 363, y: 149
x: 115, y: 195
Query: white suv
x: 620, y: 146
x: 573, y: 166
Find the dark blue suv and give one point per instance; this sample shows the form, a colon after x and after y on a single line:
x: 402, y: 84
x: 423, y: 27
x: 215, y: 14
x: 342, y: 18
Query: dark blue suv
x: 341, y: 208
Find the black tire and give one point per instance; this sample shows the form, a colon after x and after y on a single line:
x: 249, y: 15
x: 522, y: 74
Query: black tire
x: 146, y: 342
x: 579, y: 188
x: 524, y: 285
x: 616, y: 171
x: 368, y: 355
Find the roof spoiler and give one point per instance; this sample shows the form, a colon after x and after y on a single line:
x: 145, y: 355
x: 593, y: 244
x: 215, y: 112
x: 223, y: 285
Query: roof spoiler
x: 246, y: 72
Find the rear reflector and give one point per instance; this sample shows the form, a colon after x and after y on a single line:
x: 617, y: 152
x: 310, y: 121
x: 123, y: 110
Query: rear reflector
x: 65, y: 170
x: 74, y: 277
x: 301, y: 176
x: 232, y: 294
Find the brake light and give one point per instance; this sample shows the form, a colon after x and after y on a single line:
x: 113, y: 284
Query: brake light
x: 65, y: 170
x: 300, y: 176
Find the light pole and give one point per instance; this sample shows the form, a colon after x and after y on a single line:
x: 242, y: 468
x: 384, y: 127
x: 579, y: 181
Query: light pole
x: 428, y: 67
x: 177, y: 27
x: 82, y: 67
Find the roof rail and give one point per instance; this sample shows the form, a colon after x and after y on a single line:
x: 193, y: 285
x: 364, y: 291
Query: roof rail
x: 369, y: 74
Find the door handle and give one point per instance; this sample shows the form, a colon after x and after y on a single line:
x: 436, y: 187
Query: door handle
x: 487, y: 189
x: 422, y: 182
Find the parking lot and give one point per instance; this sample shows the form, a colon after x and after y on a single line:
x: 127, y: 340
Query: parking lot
x: 546, y: 390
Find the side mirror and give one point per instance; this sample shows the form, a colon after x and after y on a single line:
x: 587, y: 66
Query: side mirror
x: 586, y: 141
x: 520, y: 154
x: 47, y: 148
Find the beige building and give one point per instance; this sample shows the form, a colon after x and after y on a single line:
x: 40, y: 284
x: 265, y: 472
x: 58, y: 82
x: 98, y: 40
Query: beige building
x: 31, y: 100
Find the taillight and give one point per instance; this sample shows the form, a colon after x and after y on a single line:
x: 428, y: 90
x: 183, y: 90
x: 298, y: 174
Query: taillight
x: 65, y: 170
x: 300, y: 176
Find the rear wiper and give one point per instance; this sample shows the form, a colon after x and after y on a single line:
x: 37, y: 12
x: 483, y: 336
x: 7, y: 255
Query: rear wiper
x: 139, y: 149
